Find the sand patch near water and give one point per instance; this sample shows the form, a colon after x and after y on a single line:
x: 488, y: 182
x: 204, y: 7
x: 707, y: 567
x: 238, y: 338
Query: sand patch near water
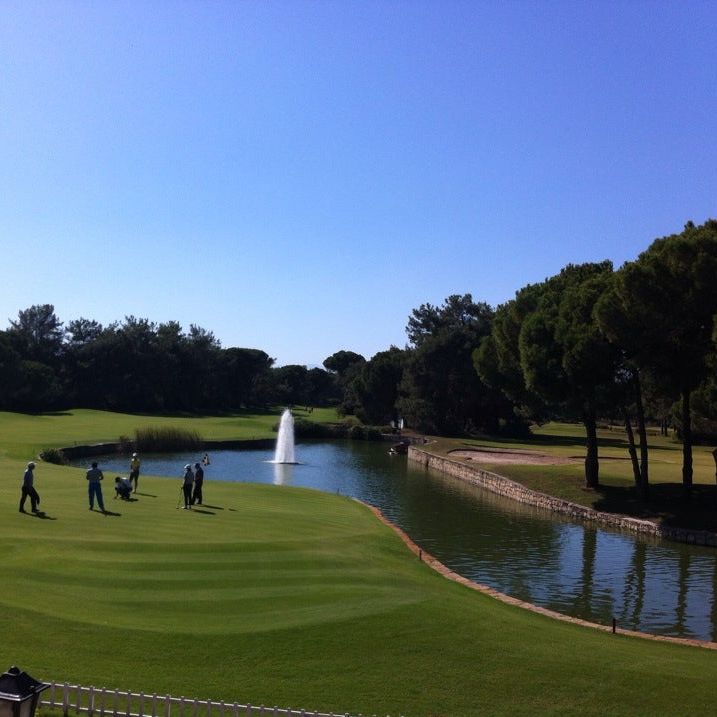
x: 497, y: 456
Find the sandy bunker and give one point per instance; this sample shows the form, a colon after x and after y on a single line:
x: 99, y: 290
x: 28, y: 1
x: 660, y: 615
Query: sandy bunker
x: 498, y: 456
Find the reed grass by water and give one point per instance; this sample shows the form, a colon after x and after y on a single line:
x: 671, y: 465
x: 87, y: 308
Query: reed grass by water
x: 158, y: 439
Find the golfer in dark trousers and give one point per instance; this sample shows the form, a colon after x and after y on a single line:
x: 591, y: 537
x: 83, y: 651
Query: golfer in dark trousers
x: 28, y: 489
x: 198, y: 483
x: 94, y: 476
x: 187, y: 486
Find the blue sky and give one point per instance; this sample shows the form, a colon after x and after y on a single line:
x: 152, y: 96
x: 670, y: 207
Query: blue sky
x: 298, y: 176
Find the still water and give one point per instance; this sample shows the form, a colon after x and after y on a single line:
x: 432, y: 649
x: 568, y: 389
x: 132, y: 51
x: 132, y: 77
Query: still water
x: 595, y: 574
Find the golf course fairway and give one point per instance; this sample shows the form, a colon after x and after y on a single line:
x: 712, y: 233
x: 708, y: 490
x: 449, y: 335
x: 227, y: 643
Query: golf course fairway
x: 290, y: 597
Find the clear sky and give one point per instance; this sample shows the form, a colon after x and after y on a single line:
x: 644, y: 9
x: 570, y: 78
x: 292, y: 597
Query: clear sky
x: 297, y: 176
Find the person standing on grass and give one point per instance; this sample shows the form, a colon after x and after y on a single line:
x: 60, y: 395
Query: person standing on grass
x: 94, y: 476
x: 187, y: 484
x: 28, y: 489
x: 198, y: 483
x: 134, y: 471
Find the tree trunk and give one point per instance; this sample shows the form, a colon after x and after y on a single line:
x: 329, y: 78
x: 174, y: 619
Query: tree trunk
x: 686, y: 445
x: 632, y: 450
x: 642, y: 432
x: 592, y: 467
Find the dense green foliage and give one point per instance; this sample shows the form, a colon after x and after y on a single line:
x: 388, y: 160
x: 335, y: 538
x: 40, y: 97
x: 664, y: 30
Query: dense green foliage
x: 587, y: 341
x: 374, y: 388
x: 565, y: 358
x: 141, y: 366
x: 431, y: 384
x: 660, y: 311
x: 54, y: 455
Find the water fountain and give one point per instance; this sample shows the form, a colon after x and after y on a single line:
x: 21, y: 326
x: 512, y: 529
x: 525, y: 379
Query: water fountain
x: 284, y: 452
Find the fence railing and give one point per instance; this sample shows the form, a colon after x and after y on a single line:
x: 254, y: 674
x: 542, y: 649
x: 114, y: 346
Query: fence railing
x: 102, y: 702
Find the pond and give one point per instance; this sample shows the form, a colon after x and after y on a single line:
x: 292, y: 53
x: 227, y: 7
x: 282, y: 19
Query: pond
x: 592, y: 573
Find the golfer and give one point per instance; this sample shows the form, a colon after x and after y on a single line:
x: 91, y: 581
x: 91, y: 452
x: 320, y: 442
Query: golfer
x: 198, y: 483
x: 134, y: 471
x: 28, y: 489
x: 188, y: 481
x: 94, y: 476
x: 123, y: 488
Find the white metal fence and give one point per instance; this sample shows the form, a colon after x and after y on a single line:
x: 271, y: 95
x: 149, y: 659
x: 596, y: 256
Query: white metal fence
x: 101, y: 702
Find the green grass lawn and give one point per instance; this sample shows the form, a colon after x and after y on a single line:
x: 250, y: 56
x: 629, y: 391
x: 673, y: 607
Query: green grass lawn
x: 277, y: 595
x: 23, y: 436
x: 616, y: 493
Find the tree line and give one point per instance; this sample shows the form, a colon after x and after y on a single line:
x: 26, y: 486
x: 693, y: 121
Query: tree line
x: 140, y: 366
x: 588, y: 343
x: 638, y: 343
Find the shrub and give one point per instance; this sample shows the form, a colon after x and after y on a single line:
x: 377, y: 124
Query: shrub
x: 125, y: 445
x: 357, y: 433
x: 339, y: 430
x: 351, y: 422
x: 54, y: 455
x: 373, y: 433
x: 365, y: 433
x: 304, y: 428
x: 348, y: 428
x: 166, y: 438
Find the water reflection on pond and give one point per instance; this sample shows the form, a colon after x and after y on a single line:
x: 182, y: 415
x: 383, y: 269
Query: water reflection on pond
x: 592, y: 573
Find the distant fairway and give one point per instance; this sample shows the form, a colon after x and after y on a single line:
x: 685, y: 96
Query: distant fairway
x: 23, y: 435
x: 277, y: 595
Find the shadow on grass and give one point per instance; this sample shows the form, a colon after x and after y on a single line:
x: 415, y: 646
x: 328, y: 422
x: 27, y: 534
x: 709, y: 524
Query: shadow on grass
x: 579, y: 441
x: 665, y: 504
x: 212, y: 507
x: 38, y: 514
x: 203, y: 512
x: 145, y: 495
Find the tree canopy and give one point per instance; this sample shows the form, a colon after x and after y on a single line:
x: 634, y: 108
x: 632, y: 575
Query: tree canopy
x: 661, y: 311
x: 138, y: 365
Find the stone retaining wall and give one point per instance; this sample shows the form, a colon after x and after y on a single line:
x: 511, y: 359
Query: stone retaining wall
x: 515, y: 491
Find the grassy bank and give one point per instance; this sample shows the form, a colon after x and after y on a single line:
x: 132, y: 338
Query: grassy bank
x: 284, y: 596
x: 22, y: 436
